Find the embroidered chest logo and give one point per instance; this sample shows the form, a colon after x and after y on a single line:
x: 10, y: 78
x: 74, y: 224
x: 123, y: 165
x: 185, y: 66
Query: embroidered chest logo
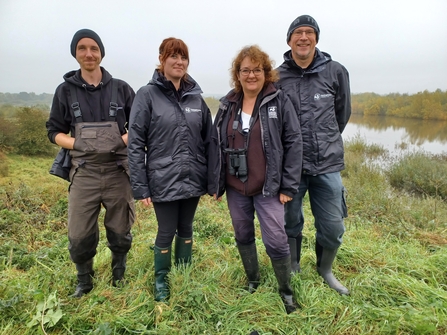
x: 192, y: 110
x: 272, y: 112
x: 319, y: 96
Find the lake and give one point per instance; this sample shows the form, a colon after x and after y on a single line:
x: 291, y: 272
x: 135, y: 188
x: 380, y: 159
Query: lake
x: 396, y: 133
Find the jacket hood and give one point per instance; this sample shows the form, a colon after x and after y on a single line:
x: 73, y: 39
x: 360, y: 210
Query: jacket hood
x: 318, y: 64
x: 74, y: 77
x: 189, y: 86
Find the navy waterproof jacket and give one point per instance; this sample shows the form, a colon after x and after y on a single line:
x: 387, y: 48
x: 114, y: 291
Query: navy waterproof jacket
x: 169, y: 135
x: 322, y: 98
x: 281, y: 142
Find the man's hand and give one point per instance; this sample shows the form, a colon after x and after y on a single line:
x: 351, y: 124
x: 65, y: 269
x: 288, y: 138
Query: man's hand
x: 284, y: 198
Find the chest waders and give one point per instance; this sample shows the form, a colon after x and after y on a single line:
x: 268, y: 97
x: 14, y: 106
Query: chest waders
x: 100, y: 149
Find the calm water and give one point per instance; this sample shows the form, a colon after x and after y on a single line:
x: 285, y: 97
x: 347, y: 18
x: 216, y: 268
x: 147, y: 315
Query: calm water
x: 391, y: 132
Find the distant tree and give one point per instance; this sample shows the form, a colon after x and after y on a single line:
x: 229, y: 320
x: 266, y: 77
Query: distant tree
x: 8, y: 130
x: 31, y: 137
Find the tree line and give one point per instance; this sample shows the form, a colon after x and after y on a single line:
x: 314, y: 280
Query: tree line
x: 423, y: 105
x: 23, y: 115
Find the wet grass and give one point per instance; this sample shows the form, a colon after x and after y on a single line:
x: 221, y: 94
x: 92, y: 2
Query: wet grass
x: 393, y: 259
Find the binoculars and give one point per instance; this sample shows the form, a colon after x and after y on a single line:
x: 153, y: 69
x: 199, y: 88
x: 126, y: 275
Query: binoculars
x: 238, y: 162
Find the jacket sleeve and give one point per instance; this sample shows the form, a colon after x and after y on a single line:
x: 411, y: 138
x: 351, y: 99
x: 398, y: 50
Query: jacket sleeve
x: 208, y: 133
x: 136, y: 148
x: 293, y: 149
x: 59, y: 120
x: 343, y: 98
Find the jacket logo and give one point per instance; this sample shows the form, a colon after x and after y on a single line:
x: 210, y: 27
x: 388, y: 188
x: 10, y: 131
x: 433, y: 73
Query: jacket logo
x: 319, y: 96
x: 272, y: 112
x: 192, y: 110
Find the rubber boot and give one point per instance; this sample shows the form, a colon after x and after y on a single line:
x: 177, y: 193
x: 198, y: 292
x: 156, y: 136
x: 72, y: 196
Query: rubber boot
x: 85, y: 276
x: 118, y: 268
x: 325, y: 258
x: 162, y: 265
x: 282, y: 268
x: 249, y: 258
x: 295, y: 252
x: 183, y: 250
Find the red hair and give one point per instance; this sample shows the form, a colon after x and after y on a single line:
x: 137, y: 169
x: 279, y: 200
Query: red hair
x: 170, y: 46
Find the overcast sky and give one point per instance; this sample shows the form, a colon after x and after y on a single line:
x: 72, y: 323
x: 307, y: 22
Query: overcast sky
x: 397, y: 46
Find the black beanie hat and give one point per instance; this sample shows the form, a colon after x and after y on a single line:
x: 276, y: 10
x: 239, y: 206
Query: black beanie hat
x: 80, y: 34
x: 303, y: 20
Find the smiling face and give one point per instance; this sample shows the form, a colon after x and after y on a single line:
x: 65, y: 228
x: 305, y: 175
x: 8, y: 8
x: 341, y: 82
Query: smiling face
x: 88, y: 54
x: 251, y: 76
x: 175, y: 67
x: 302, y: 43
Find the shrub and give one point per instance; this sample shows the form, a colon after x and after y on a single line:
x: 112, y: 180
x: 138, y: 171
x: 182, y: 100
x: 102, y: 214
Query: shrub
x: 31, y: 138
x: 421, y: 174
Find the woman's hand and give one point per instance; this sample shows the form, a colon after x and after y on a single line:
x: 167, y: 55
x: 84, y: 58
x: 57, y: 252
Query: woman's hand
x: 284, y: 198
x: 216, y: 198
x: 146, y: 202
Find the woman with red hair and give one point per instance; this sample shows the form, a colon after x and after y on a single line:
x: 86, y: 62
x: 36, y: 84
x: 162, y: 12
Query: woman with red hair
x: 169, y: 132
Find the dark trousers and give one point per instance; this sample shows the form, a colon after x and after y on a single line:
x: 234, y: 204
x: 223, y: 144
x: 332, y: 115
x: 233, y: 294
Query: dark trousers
x: 174, y: 217
x: 92, y: 186
x: 270, y: 214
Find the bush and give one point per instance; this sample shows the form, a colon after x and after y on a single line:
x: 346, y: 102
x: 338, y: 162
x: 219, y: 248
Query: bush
x: 421, y: 174
x: 31, y: 138
x: 4, y: 169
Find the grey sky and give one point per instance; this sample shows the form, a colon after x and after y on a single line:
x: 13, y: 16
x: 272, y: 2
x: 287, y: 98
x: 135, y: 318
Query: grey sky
x: 386, y: 45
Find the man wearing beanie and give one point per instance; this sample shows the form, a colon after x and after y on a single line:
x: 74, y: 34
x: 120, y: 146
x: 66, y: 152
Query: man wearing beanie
x: 319, y: 90
x: 88, y: 116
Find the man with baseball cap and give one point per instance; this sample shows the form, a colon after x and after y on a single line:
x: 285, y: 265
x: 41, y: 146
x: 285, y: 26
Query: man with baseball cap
x: 88, y: 116
x: 319, y: 89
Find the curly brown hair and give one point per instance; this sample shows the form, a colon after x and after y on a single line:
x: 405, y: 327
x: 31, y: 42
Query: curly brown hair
x: 257, y: 56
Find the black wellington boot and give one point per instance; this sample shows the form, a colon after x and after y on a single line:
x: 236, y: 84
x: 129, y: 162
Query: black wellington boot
x: 295, y: 252
x: 325, y: 258
x: 118, y: 268
x: 283, y: 272
x: 162, y: 265
x: 183, y: 250
x: 249, y: 258
x: 85, y: 276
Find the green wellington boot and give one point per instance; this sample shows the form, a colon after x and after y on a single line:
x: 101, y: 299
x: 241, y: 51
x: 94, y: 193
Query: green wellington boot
x: 162, y: 265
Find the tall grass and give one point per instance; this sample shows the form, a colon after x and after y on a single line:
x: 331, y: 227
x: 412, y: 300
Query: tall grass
x: 393, y: 259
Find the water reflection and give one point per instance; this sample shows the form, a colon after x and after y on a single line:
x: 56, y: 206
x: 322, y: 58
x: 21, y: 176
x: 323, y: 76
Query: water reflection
x: 391, y: 132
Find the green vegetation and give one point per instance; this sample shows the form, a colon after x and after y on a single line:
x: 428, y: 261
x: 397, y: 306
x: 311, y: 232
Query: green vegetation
x: 25, y: 99
x: 394, y: 261
x: 423, y: 105
x: 22, y: 131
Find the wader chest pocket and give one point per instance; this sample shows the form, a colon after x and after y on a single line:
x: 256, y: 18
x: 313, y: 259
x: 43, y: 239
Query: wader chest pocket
x: 88, y: 133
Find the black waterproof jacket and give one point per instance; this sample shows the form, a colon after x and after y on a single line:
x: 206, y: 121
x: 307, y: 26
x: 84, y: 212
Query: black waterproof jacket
x: 169, y: 135
x: 281, y: 142
x: 94, y: 103
x: 321, y: 96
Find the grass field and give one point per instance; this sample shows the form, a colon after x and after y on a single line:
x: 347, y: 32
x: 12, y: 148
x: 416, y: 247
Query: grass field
x: 393, y: 260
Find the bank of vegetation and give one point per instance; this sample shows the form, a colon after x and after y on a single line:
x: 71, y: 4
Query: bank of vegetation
x: 423, y: 105
x: 393, y: 259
